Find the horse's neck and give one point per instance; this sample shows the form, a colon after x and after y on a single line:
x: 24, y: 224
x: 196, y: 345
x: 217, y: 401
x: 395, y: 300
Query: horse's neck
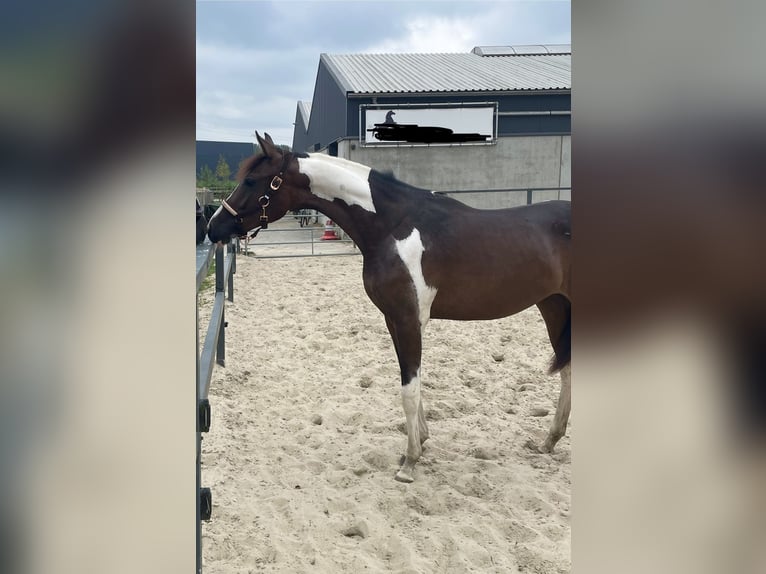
x: 334, y: 178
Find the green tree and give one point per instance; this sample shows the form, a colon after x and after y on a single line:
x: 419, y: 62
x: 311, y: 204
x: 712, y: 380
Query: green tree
x: 206, y: 178
x: 222, y: 170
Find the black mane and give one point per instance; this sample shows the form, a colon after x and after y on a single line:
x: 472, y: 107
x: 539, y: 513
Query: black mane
x: 248, y: 165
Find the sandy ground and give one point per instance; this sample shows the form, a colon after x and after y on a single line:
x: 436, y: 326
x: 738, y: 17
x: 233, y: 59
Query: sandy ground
x: 307, y: 434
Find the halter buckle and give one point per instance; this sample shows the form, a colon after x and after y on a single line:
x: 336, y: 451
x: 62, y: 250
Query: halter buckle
x: 275, y: 183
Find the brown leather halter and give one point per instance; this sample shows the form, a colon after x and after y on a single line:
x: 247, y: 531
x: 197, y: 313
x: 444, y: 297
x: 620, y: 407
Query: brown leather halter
x: 264, y: 200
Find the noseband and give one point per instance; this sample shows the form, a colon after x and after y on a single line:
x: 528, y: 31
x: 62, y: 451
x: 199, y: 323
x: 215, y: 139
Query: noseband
x: 264, y: 200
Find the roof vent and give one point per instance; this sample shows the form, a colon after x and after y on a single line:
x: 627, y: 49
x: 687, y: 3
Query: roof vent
x: 523, y: 50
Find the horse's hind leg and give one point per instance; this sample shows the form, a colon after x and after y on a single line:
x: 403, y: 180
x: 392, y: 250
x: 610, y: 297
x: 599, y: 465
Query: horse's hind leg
x: 557, y: 313
x: 407, y: 341
x: 422, y: 424
x: 561, y: 418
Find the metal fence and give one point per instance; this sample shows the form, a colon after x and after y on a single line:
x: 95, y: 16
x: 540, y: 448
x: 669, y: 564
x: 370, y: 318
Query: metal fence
x: 286, y: 239
x: 511, y: 197
x: 213, y: 348
x: 484, y: 198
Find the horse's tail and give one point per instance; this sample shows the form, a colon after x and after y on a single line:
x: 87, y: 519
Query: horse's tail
x: 563, y: 346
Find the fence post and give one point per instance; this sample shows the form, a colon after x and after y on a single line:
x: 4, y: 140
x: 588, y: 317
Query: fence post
x: 529, y: 197
x: 311, y: 234
x: 220, y: 354
x: 199, y: 458
x: 233, y: 255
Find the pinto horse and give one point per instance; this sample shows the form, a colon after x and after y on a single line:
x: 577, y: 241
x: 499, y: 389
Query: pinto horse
x: 426, y: 256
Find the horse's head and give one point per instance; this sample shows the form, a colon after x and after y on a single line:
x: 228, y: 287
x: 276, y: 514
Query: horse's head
x: 267, y: 189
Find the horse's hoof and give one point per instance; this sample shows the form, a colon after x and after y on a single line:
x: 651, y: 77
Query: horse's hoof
x: 534, y: 447
x: 404, y: 476
x: 548, y: 446
x: 406, y: 472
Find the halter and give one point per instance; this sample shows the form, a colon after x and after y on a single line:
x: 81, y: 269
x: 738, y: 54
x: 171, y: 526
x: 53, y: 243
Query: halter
x: 264, y: 200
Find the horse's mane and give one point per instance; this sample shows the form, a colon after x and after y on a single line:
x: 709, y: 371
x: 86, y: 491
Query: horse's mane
x: 247, y: 165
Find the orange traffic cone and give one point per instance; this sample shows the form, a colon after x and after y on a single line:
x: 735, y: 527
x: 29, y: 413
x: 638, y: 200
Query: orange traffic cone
x: 329, y: 231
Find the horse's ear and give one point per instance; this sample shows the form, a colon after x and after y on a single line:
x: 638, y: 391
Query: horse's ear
x: 267, y: 145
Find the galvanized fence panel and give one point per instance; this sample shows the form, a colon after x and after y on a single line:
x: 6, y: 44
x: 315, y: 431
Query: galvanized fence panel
x: 285, y: 239
x: 213, y: 348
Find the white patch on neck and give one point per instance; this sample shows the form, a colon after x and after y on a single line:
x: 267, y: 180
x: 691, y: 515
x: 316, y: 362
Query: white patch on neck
x: 337, y: 178
x: 411, y: 251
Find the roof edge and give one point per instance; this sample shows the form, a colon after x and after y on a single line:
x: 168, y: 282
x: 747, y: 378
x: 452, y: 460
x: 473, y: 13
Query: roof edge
x: 324, y: 58
x: 304, y: 109
x: 515, y: 92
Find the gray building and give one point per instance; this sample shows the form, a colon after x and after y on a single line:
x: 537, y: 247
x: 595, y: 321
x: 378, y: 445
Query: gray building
x: 505, y: 110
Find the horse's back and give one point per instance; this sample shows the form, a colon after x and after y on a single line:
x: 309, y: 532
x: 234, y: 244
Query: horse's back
x: 495, y: 228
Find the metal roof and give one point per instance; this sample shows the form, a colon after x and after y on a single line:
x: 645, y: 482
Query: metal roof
x: 471, y: 72
x: 305, y: 110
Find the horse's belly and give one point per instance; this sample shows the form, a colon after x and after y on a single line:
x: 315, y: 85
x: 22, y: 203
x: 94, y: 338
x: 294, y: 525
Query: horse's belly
x: 467, y: 306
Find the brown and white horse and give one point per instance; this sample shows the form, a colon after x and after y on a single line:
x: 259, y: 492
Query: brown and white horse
x: 426, y: 256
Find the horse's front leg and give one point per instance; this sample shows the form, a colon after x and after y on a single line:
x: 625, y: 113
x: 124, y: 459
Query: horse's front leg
x: 408, y: 344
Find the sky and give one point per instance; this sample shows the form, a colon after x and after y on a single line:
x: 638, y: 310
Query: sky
x: 257, y: 59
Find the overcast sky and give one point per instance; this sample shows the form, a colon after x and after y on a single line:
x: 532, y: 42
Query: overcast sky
x: 256, y: 59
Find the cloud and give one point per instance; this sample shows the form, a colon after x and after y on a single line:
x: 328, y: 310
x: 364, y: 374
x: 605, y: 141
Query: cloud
x: 218, y: 54
x: 255, y: 60
x: 462, y: 27
x: 431, y: 34
x: 240, y: 89
x: 237, y: 114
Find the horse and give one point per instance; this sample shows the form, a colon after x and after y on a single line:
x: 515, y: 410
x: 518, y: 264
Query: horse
x: 201, y: 224
x: 425, y: 256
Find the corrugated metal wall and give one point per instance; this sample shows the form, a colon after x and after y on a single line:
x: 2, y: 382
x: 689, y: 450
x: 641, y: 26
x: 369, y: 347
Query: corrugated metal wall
x: 328, y: 114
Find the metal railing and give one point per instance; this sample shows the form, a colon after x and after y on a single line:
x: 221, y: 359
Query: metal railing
x: 213, y: 347
x: 310, y: 236
x: 292, y: 238
x: 511, y: 197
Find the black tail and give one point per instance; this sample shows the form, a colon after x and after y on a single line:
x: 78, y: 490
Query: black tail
x: 563, y: 347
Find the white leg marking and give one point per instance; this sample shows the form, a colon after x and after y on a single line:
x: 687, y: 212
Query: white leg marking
x: 337, y: 178
x: 411, y: 404
x: 561, y: 418
x: 411, y: 250
x: 424, y: 434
